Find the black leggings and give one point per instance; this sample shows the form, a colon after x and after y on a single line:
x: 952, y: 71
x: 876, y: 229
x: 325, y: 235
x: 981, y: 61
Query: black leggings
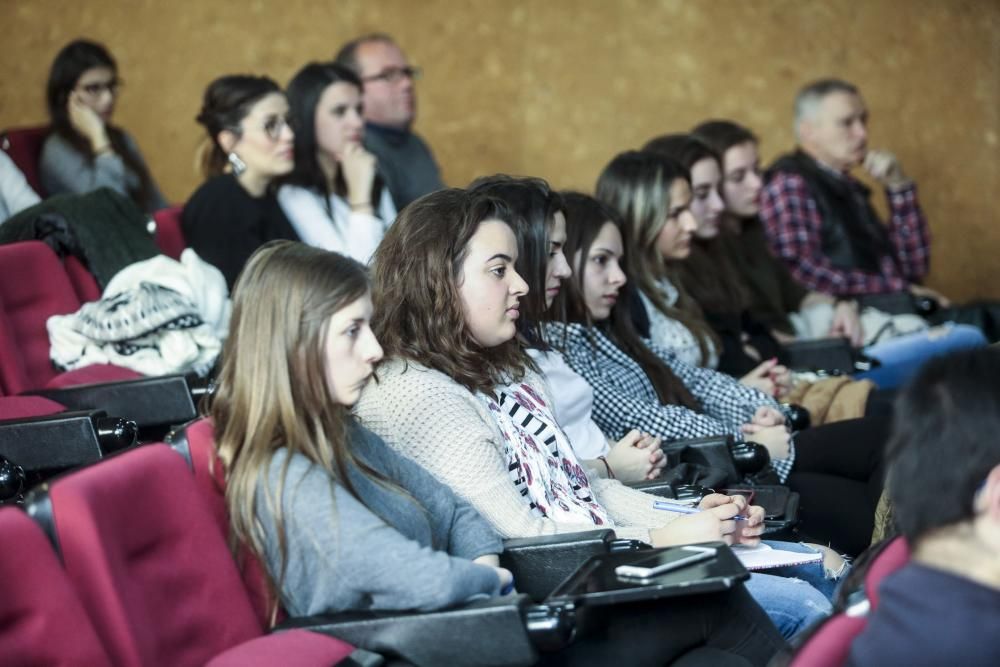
x: 839, y: 473
x: 724, y: 629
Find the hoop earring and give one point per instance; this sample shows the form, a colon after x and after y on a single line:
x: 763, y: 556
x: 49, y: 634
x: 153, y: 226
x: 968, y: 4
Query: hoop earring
x: 238, y: 165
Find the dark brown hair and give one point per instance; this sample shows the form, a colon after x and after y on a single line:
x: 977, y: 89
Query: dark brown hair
x: 69, y: 65
x: 585, y: 216
x: 418, y: 310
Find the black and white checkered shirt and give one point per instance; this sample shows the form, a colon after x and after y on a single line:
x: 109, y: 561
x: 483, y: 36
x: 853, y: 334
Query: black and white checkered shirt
x: 624, y: 398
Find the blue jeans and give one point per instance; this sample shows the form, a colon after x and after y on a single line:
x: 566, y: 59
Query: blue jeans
x: 902, y: 357
x: 794, y: 597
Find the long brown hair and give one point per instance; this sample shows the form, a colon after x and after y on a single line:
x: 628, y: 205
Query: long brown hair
x: 637, y: 185
x: 707, y: 278
x: 585, y: 216
x: 272, y: 391
x: 418, y: 309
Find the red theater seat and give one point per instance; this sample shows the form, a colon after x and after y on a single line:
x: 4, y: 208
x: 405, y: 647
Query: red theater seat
x: 153, y: 572
x: 24, y: 146
x: 42, y: 621
x: 169, y: 236
x: 830, y: 645
x: 196, y: 442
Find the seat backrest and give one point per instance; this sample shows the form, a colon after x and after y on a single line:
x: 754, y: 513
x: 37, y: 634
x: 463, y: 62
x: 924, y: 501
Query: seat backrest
x: 169, y: 235
x: 42, y: 621
x: 209, y: 475
x: 84, y: 283
x: 33, y: 287
x: 893, y: 557
x: 148, y: 562
x: 24, y: 146
x: 831, y: 643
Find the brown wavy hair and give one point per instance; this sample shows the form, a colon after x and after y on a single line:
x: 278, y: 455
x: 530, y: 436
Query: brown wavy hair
x: 417, y: 271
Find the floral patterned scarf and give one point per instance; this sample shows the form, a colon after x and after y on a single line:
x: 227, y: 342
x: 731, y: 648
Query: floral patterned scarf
x: 540, y: 459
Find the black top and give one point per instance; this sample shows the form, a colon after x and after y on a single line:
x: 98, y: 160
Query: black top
x: 225, y: 224
x: 773, y: 292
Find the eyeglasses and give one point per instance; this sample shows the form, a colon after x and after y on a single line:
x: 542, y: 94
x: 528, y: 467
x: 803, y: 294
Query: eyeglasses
x: 95, y: 89
x: 274, y: 125
x: 395, y: 74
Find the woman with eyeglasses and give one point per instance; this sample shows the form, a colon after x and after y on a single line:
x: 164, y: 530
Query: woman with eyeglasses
x: 249, y: 145
x: 334, y: 197
x: 85, y: 151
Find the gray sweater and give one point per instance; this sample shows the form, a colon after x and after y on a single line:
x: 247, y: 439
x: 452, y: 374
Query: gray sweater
x: 383, y: 552
x: 65, y: 169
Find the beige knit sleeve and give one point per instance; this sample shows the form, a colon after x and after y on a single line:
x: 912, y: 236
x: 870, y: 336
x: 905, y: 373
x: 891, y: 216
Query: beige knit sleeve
x: 439, y: 424
x: 629, y: 507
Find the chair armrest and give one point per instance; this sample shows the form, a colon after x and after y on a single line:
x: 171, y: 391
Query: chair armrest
x: 833, y: 356
x: 488, y: 632
x: 656, y: 487
x: 154, y: 403
x: 539, y: 564
x: 63, y: 440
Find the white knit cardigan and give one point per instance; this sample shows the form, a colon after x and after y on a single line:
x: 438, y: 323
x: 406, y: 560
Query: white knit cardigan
x: 441, y: 425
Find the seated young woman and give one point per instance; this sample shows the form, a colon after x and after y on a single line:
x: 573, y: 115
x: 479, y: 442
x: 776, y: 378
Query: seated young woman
x: 249, y: 145
x: 447, y: 298
x: 541, y: 233
x: 836, y: 468
x: 85, y: 151
x: 334, y: 197
x: 341, y: 521
x: 785, y: 306
x: 694, y: 299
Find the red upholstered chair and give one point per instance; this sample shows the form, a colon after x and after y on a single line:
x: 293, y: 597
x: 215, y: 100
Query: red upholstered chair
x: 169, y: 236
x: 196, y: 443
x: 33, y: 287
x: 153, y: 572
x: 830, y: 645
x: 24, y: 146
x: 42, y: 621
x: 83, y: 281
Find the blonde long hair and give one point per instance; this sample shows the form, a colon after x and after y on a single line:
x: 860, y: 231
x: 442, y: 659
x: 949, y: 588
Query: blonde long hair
x: 272, y: 391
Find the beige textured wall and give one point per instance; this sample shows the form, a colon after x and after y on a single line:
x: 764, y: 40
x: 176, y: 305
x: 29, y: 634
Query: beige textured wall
x: 556, y: 88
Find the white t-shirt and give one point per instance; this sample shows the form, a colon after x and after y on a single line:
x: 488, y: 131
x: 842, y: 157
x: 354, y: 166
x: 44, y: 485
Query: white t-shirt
x: 350, y: 233
x: 572, y: 404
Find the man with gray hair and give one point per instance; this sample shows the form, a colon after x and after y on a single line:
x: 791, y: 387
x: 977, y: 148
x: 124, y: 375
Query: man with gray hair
x: 404, y: 159
x: 819, y: 219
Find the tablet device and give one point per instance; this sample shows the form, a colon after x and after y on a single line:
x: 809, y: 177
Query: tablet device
x: 596, y: 582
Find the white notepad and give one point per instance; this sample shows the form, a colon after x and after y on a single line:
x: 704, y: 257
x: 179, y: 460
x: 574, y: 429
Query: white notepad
x: 764, y: 556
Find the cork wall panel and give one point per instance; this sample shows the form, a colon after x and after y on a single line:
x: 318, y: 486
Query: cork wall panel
x: 556, y: 88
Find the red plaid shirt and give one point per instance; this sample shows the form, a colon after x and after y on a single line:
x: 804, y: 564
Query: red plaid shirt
x: 793, y: 224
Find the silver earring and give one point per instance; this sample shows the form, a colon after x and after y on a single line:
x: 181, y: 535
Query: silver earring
x: 238, y: 165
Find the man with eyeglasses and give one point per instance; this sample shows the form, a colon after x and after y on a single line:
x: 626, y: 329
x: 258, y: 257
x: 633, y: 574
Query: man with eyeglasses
x: 405, y: 161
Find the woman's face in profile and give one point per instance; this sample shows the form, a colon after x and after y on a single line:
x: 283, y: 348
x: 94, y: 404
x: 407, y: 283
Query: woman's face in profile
x: 706, y: 203
x: 339, y: 122
x: 265, y: 139
x: 97, y: 89
x: 489, y: 286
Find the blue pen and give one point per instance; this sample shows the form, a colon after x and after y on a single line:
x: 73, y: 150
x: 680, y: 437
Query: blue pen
x: 685, y: 509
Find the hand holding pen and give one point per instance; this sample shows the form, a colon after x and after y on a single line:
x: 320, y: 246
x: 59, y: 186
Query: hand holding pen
x: 738, y: 522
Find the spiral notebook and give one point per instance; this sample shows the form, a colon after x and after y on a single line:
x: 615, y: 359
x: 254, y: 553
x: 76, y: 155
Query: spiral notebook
x: 764, y: 557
